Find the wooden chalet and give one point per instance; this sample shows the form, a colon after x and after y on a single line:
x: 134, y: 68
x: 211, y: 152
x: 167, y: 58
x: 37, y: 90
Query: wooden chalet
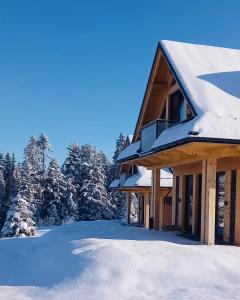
x: 189, y: 121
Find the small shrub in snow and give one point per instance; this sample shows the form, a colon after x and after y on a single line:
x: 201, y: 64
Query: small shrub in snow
x: 19, y: 221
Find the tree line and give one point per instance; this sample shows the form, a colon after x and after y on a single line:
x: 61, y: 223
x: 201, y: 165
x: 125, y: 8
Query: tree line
x: 38, y: 191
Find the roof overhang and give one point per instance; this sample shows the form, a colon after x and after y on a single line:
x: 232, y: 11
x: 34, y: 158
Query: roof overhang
x: 187, y: 151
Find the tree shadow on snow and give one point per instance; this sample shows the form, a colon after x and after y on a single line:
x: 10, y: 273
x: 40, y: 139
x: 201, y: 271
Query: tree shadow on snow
x: 60, y: 254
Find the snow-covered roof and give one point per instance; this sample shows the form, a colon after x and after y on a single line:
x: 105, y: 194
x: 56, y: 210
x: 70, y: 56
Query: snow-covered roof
x: 210, y: 78
x: 130, y: 151
x: 114, y: 183
x: 144, y: 178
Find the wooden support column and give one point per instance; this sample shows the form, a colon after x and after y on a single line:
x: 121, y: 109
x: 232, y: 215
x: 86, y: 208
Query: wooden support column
x: 227, y: 207
x: 181, y: 207
x: 162, y: 195
x: 139, y: 207
x: 156, y: 197
x: 195, y: 204
x: 203, y: 201
x: 174, y: 200
x: 237, y: 211
x: 209, y: 201
x: 146, y: 209
x: 128, y: 207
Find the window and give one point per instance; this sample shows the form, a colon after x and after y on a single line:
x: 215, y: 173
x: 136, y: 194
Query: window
x: 176, y: 106
x: 135, y: 170
x: 179, y: 108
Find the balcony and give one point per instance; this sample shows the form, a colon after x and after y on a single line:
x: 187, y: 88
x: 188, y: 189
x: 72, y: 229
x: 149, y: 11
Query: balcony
x: 151, y: 132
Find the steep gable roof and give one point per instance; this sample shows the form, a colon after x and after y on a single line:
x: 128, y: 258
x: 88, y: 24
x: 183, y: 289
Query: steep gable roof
x: 210, y: 78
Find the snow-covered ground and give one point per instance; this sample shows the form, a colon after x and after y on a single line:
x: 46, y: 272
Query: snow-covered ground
x: 104, y: 260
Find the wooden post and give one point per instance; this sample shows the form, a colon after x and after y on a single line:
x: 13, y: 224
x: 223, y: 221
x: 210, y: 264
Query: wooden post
x: 195, y: 203
x: 156, y: 197
x: 210, y: 202
x: 174, y: 201
x: 227, y: 207
x: 237, y: 211
x: 146, y: 210
x: 161, y: 208
x: 203, y: 201
x: 128, y: 208
x: 181, y: 207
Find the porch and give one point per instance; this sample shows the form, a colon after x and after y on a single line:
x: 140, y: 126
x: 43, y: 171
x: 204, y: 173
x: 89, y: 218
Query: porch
x: 206, y: 190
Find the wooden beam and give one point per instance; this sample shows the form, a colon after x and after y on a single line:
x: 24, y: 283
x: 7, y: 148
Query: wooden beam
x: 181, y: 207
x: 156, y: 197
x: 174, y: 200
x: 195, y: 207
x: 146, y: 209
x: 203, y: 200
x: 237, y: 211
x: 210, y: 202
x: 227, y: 207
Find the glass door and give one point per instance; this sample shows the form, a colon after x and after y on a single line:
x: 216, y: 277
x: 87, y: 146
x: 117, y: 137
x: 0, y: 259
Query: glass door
x: 188, y: 203
x: 220, y: 203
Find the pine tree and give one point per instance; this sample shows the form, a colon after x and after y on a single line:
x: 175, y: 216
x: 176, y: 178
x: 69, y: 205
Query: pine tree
x: 94, y: 195
x: 7, y: 183
x: 44, y: 147
x: 118, y: 197
x: 19, y: 221
x: 120, y: 145
x: 55, y: 191
x: 32, y: 167
x: 95, y: 204
x: 69, y: 211
x: 72, y: 168
x: 3, y: 208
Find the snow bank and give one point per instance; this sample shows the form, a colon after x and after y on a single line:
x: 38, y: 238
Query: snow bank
x: 104, y: 260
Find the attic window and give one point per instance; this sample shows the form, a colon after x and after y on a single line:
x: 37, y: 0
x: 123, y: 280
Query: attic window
x: 135, y: 171
x: 179, y: 108
x: 176, y: 106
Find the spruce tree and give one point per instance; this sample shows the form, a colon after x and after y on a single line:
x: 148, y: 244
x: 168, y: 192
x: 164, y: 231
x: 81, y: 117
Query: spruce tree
x: 19, y: 221
x: 55, y: 191
x: 94, y: 195
x: 69, y: 212
x: 118, y: 197
x: 72, y: 171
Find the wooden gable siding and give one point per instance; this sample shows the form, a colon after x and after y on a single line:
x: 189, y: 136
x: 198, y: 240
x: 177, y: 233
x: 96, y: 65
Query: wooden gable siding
x: 155, y: 95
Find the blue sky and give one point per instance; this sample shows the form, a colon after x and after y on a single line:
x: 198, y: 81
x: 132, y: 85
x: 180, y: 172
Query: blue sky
x: 77, y: 70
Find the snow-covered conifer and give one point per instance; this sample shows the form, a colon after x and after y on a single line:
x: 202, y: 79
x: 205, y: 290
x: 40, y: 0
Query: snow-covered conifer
x: 19, y: 221
x: 69, y: 211
x: 54, y: 193
x: 95, y: 204
x: 94, y: 195
x: 118, y: 197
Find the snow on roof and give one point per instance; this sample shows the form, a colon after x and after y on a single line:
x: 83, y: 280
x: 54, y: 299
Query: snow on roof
x: 114, y: 183
x: 210, y: 76
x: 166, y: 178
x: 130, y: 151
x: 144, y: 178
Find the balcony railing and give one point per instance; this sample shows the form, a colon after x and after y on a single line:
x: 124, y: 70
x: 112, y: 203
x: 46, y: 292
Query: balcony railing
x: 151, y: 132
